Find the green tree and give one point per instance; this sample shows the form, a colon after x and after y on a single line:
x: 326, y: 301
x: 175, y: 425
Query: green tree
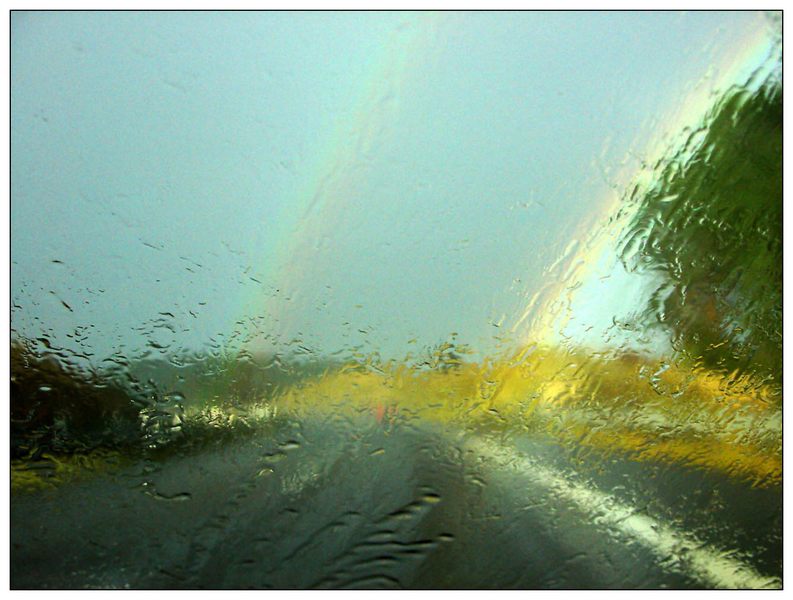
x: 711, y: 227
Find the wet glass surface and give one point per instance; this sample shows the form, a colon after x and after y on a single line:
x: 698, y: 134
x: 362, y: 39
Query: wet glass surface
x: 396, y: 300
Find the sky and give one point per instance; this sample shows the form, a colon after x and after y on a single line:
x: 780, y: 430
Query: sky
x: 337, y: 181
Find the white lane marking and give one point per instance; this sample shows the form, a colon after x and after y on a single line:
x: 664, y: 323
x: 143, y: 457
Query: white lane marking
x: 711, y: 566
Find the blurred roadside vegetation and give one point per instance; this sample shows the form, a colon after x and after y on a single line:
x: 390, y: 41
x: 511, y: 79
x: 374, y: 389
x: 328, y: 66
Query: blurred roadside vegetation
x: 710, y: 228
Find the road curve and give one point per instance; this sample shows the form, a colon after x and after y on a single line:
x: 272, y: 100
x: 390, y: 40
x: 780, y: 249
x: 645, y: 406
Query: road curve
x: 330, y: 504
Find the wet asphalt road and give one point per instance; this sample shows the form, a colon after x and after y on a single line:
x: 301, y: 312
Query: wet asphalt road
x: 413, y: 506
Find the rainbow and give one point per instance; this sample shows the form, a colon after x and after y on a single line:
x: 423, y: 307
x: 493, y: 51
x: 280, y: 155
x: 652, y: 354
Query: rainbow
x: 339, y: 165
x: 339, y: 168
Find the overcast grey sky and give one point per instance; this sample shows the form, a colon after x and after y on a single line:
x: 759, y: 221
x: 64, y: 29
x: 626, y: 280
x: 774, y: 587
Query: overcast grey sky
x: 341, y: 178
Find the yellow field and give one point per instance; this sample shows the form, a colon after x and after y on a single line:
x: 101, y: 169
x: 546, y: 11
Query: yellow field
x: 627, y: 405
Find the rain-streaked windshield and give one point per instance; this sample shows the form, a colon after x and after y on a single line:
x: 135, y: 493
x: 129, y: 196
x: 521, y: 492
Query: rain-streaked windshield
x: 396, y: 300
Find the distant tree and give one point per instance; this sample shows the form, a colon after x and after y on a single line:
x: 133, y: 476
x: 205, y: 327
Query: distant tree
x: 445, y: 356
x: 55, y: 407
